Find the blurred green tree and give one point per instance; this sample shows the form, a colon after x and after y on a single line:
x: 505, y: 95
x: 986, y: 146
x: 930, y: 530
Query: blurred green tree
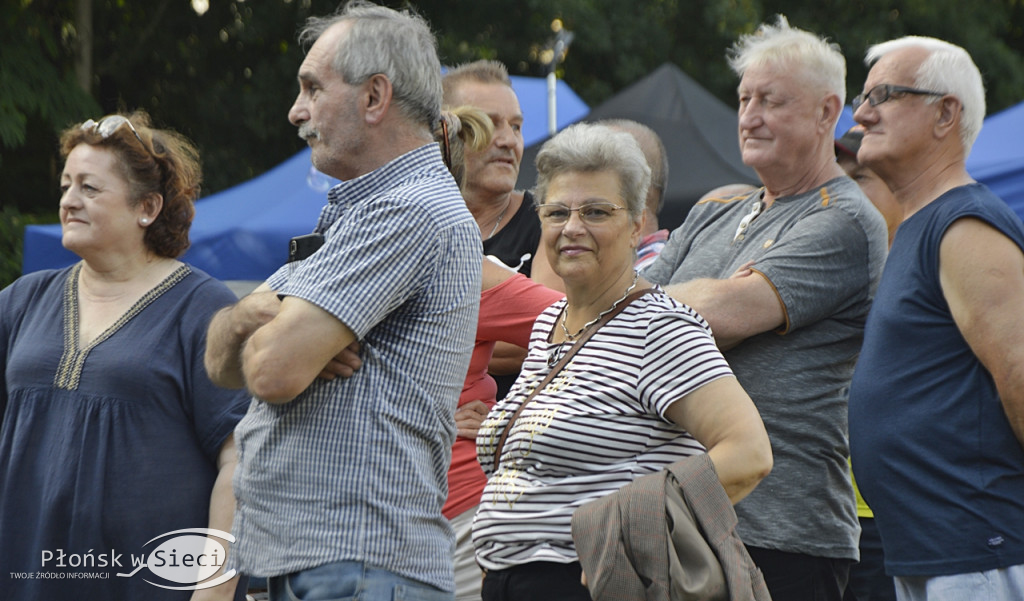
x: 223, y: 71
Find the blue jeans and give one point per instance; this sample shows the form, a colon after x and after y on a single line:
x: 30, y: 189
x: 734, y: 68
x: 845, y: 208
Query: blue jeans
x: 351, y: 580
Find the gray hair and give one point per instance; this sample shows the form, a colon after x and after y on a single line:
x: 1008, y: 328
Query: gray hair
x: 818, y: 60
x: 588, y: 148
x: 397, y: 44
x: 948, y: 69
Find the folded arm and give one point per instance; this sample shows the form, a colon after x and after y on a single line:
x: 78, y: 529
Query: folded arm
x: 228, y: 331
x: 744, y: 305
x: 283, y: 357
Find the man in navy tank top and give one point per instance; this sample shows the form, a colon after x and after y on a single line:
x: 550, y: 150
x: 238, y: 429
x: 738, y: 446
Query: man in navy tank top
x: 937, y: 399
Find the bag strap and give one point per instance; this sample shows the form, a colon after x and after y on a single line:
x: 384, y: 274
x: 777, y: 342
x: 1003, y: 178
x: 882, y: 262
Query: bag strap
x: 562, y: 363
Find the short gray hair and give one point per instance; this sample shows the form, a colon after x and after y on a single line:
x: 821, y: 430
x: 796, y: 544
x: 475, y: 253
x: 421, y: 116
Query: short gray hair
x: 397, y: 44
x: 819, y: 60
x: 588, y: 148
x: 948, y: 69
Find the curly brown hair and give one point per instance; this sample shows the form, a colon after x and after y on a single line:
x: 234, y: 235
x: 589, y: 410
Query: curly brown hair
x: 164, y: 163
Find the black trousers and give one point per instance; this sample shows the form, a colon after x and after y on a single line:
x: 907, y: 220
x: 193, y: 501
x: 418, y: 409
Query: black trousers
x: 797, y: 577
x: 868, y: 581
x: 536, y: 581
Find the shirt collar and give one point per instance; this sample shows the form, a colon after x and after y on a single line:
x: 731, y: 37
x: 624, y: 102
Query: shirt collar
x: 381, y: 179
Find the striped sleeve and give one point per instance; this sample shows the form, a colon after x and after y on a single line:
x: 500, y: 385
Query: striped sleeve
x: 680, y: 356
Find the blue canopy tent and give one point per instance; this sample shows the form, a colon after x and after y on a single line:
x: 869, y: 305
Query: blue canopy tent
x: 845, y: 121
x: 997, y: 159
x: 242, y: 233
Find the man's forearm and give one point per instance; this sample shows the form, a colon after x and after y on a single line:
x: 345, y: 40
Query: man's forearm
x: 1009, y: 380
x: 1015, y: 414
x: 223, y: 358
x: 736, y: 308
x: 706, y: 297
x: 229, y: 330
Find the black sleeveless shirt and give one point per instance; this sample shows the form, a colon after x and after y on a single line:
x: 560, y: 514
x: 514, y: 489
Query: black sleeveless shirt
x: 516, y: 243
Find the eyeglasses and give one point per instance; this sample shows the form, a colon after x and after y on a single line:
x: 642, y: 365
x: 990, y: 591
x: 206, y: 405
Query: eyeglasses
x: 108, y: 125
x: 885, y: 92
x: 592, y: 213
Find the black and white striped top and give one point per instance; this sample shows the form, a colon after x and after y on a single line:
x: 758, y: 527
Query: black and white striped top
x: 597, y: 426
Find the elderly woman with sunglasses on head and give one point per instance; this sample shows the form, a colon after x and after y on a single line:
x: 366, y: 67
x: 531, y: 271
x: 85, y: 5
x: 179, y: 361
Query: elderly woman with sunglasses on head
x: 642, y: 390
x: 111, y: 434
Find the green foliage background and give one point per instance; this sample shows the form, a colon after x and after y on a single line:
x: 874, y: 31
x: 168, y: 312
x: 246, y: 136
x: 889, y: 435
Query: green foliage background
x: 227, y: 77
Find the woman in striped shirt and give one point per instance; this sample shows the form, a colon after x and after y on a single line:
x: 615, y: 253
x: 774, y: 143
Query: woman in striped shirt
x: 649, y: 388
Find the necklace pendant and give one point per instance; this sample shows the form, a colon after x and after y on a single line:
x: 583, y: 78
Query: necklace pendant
x: 500, y: 217
x: 555, y: 354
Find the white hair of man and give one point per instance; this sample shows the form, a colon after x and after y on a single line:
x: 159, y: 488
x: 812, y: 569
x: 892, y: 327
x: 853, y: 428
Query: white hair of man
x: 948, y: 69
x: 821, y: 61
x: 398, y: 44
x: 587, y: 148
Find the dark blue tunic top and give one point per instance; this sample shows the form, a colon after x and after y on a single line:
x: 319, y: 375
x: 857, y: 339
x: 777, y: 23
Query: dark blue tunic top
x: 104, y: 448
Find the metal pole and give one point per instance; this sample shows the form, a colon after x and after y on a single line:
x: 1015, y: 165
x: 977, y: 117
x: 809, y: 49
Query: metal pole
x: 552, y: 103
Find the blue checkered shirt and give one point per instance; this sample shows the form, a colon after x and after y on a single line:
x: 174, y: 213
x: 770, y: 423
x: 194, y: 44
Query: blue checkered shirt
x: 355, y: 469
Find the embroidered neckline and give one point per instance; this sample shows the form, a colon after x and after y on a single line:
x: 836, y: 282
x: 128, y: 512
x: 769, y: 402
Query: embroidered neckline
x: 72, y: 360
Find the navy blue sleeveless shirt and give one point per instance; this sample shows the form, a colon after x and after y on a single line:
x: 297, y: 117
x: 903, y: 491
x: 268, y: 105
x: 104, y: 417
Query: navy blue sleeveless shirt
x: 933, y: 452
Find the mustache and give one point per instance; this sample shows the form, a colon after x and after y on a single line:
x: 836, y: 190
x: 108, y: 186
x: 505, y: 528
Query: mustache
x: 508, y: 155
x: 307, y: 132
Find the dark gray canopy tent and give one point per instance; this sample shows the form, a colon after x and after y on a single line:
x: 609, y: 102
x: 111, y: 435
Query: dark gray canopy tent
x: 698, y: 130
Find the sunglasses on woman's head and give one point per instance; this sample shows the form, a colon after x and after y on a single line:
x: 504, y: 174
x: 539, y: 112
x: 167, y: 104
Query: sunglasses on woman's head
x: 108, y: 125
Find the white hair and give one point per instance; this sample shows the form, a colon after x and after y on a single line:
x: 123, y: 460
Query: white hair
x: 819, y: 60
x: 948, y: 69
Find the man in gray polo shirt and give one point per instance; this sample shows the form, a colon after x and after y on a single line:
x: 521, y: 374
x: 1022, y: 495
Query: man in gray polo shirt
x: 341, y: 481
x: 785, y: 276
